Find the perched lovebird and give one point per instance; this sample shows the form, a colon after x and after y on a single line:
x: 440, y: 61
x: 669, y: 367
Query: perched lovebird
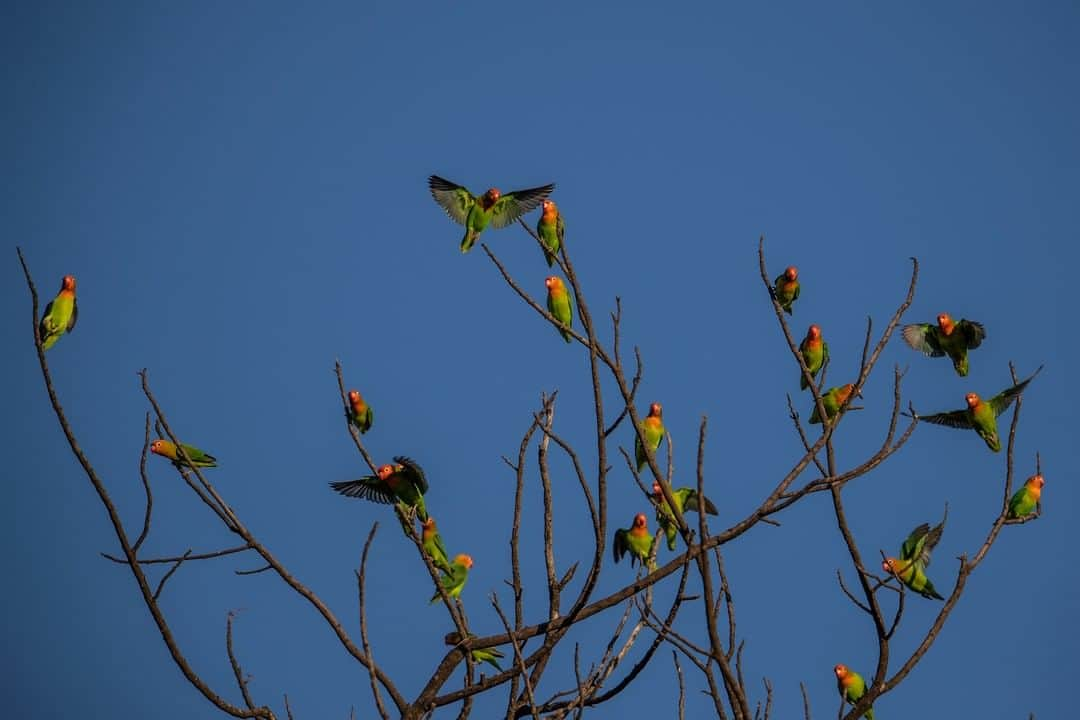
x: 981, y: 415
x: 359, y: 412
x: 558, y: 303
x: 403, y: 482
x: 914, y: 558
x: 550, y: 230
x: 60, y: 314
x: 636, y: 540
x: 786, y: 288
x: 686, y: 500
x: 196, y: 457
x: 852, y: 687
x: 489, y: 654
x: 948, y: 338
x: 652, y: 427
x: 433, y: 545
x: 492, y: 207
x: 1025, y: 499
x: 455, y: 580
x: 832, y: 401
x: 815, y: 352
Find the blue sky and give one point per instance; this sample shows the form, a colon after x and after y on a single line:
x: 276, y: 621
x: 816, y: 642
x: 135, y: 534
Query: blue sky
x: 240, y: 191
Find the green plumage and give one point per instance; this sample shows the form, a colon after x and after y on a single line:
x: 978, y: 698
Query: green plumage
x: 852, y: 687
x: 832, y: 400
x: 454, y: 581
x: 635, y: 540
x: 1024, y: 501
x: 686, y: 500
x: 434, y: 547
x: 652, y: 427
x: 196, y: 457
x: 946, y: 338
x: 914, y: 558
x: 815, y: 352
x: 559, y: 304
x: 786, y: 288
x: 477, y: 212
x: 404, y: 482
x: 550, y: 229
x: 60, y: 314
x: 981, y: 415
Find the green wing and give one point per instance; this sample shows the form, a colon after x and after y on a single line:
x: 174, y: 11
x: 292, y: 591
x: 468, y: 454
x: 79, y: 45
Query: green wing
x: 924, y: 338
x: 913, y: 543
x: 972, y: 332
x: 513, y: 205
x: 1001, y: 402
x: 691, y: 504
x: 413, y: 472
x: 956, y: 419
x: 454, y: 199
x: 369, y: 487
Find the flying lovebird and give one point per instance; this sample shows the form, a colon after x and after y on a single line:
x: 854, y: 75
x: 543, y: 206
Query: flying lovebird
x: 786, y: 288
x: 433, y: 545
x: 476, y: 212
x: 815, y: 352
x: 403, y: 482
x: 981, y: 415
x: 196, y: 457
x: 914, y: 558
x: 559, y: 305
x: 832, y: 401
x: 454, y: 582
x: 60, y: 314
x: 636, y: 540
x: 946, y: 338
x: 550, y: 229
x: 359, y: 412
x: 686, y: 500
x: 1025, y: 499
x: 652, y: 427
x: 852, y: 687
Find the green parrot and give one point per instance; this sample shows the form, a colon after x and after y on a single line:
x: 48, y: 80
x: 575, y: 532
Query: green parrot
x: 404, y: 482
x: 559, y: 304
x: 636, y: 540
x: 948, y: 338
x: 359, y: 412
x: 786, y: 288
x: 550, y: 229
x: 832, y: 401
x: 1027, y: 497
x: 852, y: 687
x: 454, y: 582
x: 492, y: 207
x: 981, y: 415
x: 60, y: 314
x: 914, y: 558
x: 196, y: 457
x: 434, y: 547
x: 686, y: 500
x: 815, y: 352
x: 652, y: 427
x: 489, y: 654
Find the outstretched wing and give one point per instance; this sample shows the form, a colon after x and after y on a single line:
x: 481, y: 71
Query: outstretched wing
x: 413, y: 472
x: 369, y: 487
x: 1001, y: 402
x: 691, y: 504
x: 956, y: 419
x: 914, y: 542
x: 454, y: 199
x: 972, y: 332
x: 922, y: 337
x: 513, y: 205
x: 618, y: 545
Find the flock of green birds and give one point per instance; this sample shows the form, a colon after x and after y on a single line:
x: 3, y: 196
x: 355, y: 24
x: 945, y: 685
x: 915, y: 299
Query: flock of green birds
x: 404, y: 483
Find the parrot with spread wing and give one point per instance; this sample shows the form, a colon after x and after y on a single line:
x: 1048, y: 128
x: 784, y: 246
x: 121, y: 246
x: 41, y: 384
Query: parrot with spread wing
x: 636, y: 540
x: 815, y: 352
x: 60, y: 314
x: 652, y: 427
x: 433, y: 545
x: 946, y: 338
x: 981, y: 415
x: 559, y: 305
x: 852, y: 687
x: 786, y: 288
x: 914, y: 558
x: 493, y: 207
x: 196, y: 457
x: 550, y: 229
x: 832, y: 401
x: 1025, y: 499
x: 454, y: 582
x: 359, y: 412
x: 403, y: 482
x: 686, y: 500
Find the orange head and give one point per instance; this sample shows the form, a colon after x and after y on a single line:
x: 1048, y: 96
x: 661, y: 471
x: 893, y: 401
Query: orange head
x: 554, y: 283
x: 656, y: 489
x: 68, y: 283
x: 640, y: 521
x: 429, y: 525
x: 160, y: 447
x: 549, y: 207
x: 814, y: 333
x: 465, y: 560
x: 385, y: 471
x: 655, y: 410
x: 791, y: 273
x: 945, y: 323
x: 972, y: 400
x: 355, y: 400
x: 889, y: 565
x: 841, y: 671
x: 1035, y: 482
x: 490, y: 197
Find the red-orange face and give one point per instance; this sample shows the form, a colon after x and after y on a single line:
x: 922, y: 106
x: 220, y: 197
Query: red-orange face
x: 354, y: 397
x: 814, y: 332
x: 429, y: 524
x: 552, y: 283
x: 887, y: 565
x: 464, y: 560
x: 943, y: 319
x: 1036, y: 482
x: 841, y: 671
x: 68, y: 283
x: 385, y: 471
x: 493, y: 194
x: 655, y: 410
x: 972, y: 400
x: 158, y: 447
x: 640, y: 520
x: 548, y: 206
x: 656, y: 489
x: 791, y: 273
